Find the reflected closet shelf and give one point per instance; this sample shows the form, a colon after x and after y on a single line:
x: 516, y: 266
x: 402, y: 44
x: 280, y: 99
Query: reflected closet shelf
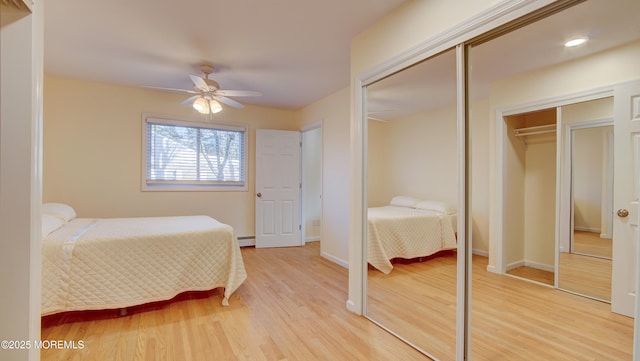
x: 540, y: 129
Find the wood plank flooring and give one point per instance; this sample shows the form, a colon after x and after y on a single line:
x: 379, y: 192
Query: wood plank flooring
x: 512, y: 319
x: 292, y: 307
x: 534, y: 274
x: 591, y: 243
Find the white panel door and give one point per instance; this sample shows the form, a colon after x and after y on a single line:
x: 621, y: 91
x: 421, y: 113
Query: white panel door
x: 277, y: 188
x: 625, y: 197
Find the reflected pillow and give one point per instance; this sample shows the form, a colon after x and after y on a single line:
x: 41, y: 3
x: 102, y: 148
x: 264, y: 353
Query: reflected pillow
x: 437, y: 206
x: 50, y: 223
x: 404, y: 201
x: 60, y: 210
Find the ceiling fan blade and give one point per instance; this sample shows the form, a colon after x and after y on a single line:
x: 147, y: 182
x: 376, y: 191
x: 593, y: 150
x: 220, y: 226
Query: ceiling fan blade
x: 190, y: 100
x: 227, y: 101
x: 174, y: 90
x: 199, y: 83
x: 238, y: 93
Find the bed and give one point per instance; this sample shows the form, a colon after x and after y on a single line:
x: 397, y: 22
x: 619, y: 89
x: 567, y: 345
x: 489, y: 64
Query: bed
x: 114, y: 263
x: 409, y: 228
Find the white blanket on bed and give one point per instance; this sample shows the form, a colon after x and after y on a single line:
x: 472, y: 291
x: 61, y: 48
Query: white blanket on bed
x: 91, y: 264
x: 401, y: 232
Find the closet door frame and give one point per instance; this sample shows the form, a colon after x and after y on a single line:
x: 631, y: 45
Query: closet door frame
x: 497, y: 262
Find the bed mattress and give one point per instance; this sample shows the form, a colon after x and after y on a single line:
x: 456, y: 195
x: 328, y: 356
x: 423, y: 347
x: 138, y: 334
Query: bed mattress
x: 91, y: 264
x: 402, y: 232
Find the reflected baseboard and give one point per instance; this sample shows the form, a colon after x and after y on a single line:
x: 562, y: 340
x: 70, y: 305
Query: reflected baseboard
x: 531, y: 264
x: 480, y: 252
x: 335, y: 259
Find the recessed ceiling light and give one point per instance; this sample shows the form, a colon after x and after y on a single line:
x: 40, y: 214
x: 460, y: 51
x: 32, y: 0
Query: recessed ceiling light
x: 575, y: 42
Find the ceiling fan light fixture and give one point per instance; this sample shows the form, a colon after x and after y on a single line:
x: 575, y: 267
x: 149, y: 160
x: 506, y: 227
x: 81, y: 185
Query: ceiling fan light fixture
x: 201, y: 105
x: 214, y: 106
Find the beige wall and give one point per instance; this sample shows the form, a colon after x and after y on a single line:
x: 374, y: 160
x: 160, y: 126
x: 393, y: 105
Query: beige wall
x: 333, y: 111
x: 407, y: 26
x: 92, y: 153
x: 312, y: 182
x: 587, y: 178
x: 540, y: 203
x: 378, y: 190
x: 583, y: 112
x: 414, y: 156
x: 480, y: 127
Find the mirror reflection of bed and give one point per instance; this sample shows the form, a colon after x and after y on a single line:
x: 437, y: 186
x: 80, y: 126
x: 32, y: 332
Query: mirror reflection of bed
x: 412, y: 199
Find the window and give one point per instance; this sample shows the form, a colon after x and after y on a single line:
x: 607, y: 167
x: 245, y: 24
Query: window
x: 181, y: 155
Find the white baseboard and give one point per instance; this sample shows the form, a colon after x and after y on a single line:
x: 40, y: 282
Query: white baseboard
x: 513, y: 265
x: 246, y: 241
x: 335, y: 260
x: 480, y: 252
x: 491, y: 269
x: 536, y: 265
x: 312, y: 239
x: 586, y: 229
x: 540, y: 266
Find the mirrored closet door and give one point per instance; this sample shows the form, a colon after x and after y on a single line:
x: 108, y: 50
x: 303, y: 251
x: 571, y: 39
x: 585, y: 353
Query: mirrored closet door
x: 412, y: 197
x: 515, y: 76
x: 526, y: 206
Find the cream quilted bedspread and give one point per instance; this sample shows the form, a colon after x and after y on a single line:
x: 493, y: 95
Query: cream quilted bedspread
x: 91, y: 264
x: 401, y: 232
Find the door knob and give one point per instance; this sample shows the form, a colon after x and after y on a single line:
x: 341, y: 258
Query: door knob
x: 260, y: 196
x: 622, y: 213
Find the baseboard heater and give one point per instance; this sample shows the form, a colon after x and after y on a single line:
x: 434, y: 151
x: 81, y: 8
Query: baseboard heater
x: 247, y: 241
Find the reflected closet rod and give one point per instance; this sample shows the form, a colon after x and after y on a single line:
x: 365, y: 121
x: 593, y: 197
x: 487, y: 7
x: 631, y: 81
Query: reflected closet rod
x: 523, y: 132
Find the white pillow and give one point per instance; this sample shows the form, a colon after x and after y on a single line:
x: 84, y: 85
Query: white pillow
x: 404, y: 201
x: 437, y: 206
x: 60, y: 210
x: 49, y: 224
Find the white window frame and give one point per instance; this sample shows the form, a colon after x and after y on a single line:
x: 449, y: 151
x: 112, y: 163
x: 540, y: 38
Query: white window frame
x: 181, y: 186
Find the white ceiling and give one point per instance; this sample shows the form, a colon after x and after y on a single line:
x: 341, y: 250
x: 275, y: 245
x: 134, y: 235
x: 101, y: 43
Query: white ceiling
x: 297, y: 51
x: 293, y: 51
x: 431, y: 84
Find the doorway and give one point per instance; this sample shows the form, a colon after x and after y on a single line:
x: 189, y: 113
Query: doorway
x: 530, y: 176
x: 312, y: 183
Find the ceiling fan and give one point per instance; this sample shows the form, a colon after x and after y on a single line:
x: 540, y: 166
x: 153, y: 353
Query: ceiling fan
x: 209, y: 95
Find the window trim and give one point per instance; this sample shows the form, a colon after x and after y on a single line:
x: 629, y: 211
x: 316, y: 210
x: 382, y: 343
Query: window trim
x: 204, y: 186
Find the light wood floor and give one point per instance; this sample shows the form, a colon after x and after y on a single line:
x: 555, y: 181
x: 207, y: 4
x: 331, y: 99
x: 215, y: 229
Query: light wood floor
x: 533, y: 274
x: 512, y: 319
x: 579, y: 273
x: 292, y: 307
x: 591, y: 243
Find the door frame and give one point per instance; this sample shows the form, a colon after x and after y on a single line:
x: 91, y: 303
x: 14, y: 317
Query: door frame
x: 497, y: 261
x: 303, y: 206
x: 567, y: 182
